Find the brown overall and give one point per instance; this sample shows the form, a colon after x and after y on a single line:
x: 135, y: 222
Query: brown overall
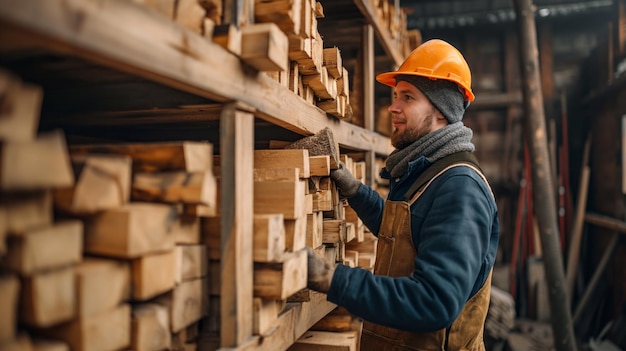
x: 395, y: 256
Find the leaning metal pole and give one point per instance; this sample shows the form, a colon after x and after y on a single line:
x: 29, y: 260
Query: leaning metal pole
x: 543, y: 189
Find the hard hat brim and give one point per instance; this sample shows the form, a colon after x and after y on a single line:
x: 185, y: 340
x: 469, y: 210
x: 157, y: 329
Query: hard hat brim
x: 388, y: 78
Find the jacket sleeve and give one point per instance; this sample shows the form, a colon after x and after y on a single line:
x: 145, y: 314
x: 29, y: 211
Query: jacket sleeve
x: 453, y: 245
x: 368, y: 205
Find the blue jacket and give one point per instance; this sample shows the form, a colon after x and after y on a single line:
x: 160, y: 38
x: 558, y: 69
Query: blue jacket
x: 455, y: 232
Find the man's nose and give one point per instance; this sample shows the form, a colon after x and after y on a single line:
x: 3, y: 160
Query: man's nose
x: 393, y: 108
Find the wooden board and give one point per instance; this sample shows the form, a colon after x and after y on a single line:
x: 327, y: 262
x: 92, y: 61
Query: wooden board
x: 308, y: 202
x: 191, y: 262
x: 50, y: 345
x: 153, y: 274
x: 187, y: 303
x: 46, y: 248
x: 333, y: 62
x: 293, y: 322
x: 320, y: 165
x: 368, y: 245
x: 186, y: 230
x: 229, y: 37
x: 101, y: 284
x: 38, y: 164
x: 20, y: 105
x: 280, y: 197
x: 48, y: 298
x: 323, y: 200
x: 265, y: 314
x: 269, y: 237
x: 190, y: 15
x: 20, y: 343
x: 326, y: 341
x: 295, y: 233
x: 285, y: 13
x: 176, y: 187
x: 280, y: 280
x: 337, y: 320
x: 264, y: 46
x: 284, y: 159
x: 351, y: 258
x: 276, y: 174
x: 26, y: 211
x: 334, y: 231
x: 314, y: 229
x: 237, y: 222
x: 189, y: 156
x: 109, y: 330
x: 130, y: 231
x: 150, y: 327
x: 102, y: 182
x: 164, y: 7
x: 9, y: 293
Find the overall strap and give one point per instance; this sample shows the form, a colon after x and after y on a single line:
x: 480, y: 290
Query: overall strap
x: 436, y: 168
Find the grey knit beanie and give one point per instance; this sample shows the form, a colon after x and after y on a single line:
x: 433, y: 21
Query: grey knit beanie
x: 443, y: 94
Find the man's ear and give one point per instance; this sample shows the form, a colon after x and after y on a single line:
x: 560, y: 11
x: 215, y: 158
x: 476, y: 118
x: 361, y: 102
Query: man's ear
x: 440, y: 117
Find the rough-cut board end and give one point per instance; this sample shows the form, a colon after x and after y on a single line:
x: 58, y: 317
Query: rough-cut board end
x: 320, y: 144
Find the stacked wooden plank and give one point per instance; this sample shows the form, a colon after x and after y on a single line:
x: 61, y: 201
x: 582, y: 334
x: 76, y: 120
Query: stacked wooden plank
x: 283, y: 42
x: 295, y: 204
x: 394, y: 20
x: 339, y: 237
x: 282, y: 207
x: 38, y: 252
x: 198, y: 15
x: 97, y: 250
x: 151, y: 231
x: 315, y: 73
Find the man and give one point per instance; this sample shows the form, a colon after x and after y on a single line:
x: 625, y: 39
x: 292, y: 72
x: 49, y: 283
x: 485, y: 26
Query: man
x: 438, y: 230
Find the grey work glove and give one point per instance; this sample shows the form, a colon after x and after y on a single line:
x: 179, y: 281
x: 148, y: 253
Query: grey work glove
x: 320, y: 272
x: 345, y: 181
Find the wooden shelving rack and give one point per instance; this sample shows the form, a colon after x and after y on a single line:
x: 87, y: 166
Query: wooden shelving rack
x: 79, y: 46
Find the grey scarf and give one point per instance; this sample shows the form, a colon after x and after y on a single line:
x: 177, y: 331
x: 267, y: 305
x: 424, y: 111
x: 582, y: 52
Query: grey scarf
x: 453, y: 138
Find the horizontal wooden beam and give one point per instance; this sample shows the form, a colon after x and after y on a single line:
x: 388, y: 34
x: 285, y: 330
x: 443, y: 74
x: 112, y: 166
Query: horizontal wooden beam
x: 606, y: 222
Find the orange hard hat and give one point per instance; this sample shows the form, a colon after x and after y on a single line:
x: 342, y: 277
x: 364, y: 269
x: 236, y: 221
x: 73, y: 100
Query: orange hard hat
x: 434, y: 59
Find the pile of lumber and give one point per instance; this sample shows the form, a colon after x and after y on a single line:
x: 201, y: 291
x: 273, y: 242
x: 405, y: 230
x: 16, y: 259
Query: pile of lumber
x: 328, y: 226
x: 313, y: 72
x: 111, y: 246
x: 38, y: 253
x: 394, y: 20
x: 283, y: 42
x: 98, y: 251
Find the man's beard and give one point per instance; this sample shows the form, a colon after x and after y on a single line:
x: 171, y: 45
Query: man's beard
x: 400, y: 140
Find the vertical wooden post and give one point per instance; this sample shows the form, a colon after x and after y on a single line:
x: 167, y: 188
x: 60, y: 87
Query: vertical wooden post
x: 368, y: 76
x: 368, y: 95
x: 547, y: 68
x: 620, y: 35
x: 236, y: 265
x: 543, y: 191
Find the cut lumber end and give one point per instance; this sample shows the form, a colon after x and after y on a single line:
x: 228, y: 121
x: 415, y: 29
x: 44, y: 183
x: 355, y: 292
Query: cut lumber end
x: 320, y: 144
